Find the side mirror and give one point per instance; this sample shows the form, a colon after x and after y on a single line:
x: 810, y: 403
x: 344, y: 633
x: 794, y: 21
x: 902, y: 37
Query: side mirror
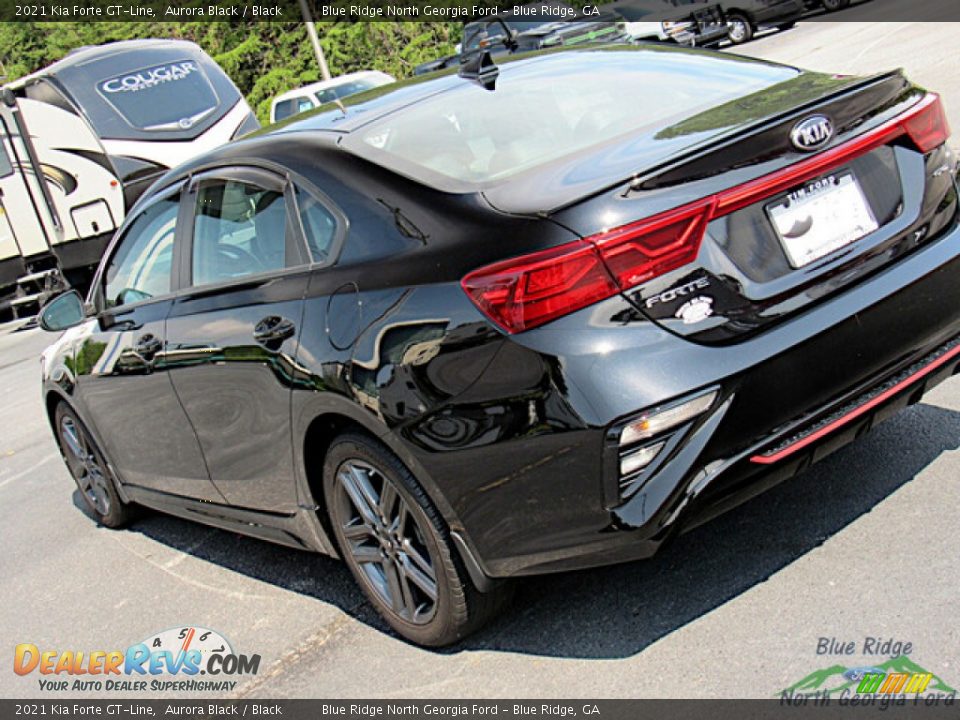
x: 64, y: 311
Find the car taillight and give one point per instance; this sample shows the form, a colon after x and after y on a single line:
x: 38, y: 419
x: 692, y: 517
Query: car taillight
x: 530, y: 290
x: 928, y: 127
x: 646, y: 249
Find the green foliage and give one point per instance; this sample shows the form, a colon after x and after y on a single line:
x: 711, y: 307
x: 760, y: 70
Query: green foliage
x: 263, y: 59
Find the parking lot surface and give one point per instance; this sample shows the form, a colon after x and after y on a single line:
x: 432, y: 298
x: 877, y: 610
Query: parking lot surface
x: 864, y: 545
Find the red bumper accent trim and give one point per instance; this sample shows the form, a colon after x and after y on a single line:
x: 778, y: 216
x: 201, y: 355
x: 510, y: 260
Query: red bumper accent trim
x: 856, y: 412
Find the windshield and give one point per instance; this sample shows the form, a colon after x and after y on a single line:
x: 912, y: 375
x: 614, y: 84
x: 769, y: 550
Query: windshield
x: 492, y: 32
x: 170, y: 96
x: 541, y: 111
x: 351, y: 88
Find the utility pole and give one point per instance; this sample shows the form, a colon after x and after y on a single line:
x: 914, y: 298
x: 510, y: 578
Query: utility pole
x: 314, y: 40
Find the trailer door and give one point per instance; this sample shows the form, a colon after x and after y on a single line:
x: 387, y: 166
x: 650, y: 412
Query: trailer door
x: 23, y: 202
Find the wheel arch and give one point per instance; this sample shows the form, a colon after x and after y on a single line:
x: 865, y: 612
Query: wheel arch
x: 52, y: 398
x: 745, y: 14
x: 319, y: 433
x: 55, y: 395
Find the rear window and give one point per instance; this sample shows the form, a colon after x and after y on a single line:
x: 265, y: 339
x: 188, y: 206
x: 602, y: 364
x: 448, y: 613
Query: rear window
x: 171, y: 96
x: 5, y: 167
x: 286, y: 108
x: 543, y: 111
x: 350, y: 88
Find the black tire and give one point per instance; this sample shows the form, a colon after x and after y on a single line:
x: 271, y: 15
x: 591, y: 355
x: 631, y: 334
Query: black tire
x: 741, y: 29
x: 403, y: 548
x: 90, y: 470
x: 834, y: 5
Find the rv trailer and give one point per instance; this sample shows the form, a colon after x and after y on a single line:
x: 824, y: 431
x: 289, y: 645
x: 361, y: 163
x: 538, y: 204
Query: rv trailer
x: 80, y: 141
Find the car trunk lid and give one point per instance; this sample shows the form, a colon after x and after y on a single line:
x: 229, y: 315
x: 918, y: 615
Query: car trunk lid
x: 782, y: 228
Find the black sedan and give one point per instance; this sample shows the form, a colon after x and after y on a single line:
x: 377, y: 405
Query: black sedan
x: 463, y: 330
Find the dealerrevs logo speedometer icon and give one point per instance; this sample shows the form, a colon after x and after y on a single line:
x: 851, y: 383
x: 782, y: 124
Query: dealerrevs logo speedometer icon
x: 811, y: 133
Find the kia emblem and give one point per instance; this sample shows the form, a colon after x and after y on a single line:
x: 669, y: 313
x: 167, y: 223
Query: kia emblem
x: 811, y: 133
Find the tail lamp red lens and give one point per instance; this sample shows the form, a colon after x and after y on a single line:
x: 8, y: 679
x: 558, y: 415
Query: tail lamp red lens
x: 530, y: 290
x: 927, y: 125
x: 524, y: 292
x: 646, y: 249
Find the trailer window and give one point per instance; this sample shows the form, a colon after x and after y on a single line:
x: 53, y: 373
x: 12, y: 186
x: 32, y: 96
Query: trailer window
x: 5, y: 167
x: 172, y: 96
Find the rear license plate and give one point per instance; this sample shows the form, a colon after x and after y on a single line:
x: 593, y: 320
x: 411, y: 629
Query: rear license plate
x: 821, y: 217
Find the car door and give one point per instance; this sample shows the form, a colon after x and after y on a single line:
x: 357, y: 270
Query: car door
x: 122, y: 383
x: 232, y: 332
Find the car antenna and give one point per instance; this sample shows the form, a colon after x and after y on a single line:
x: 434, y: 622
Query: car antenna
x: 479, y: 67
x: 339, y: 103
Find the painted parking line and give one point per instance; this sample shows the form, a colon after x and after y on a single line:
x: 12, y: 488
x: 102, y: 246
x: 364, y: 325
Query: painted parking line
x: 29, y: 470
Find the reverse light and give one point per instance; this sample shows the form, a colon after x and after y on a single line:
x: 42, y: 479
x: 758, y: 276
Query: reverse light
x: 639, y: 459
x: 654, y: 423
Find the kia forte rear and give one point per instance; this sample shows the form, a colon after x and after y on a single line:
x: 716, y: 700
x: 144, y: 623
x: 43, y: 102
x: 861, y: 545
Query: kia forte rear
x: 539, y: 318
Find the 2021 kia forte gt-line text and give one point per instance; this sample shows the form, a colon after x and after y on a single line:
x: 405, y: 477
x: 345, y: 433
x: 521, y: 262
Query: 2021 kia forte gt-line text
x: 462, y: 330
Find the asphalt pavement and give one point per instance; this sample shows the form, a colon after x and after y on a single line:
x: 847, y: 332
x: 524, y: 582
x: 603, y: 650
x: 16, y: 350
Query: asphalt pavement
x: 864, y: 545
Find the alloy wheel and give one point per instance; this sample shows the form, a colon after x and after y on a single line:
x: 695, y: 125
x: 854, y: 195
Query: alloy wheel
x: 85, y: 466
x: 385, y: 540
x: 738, y: 30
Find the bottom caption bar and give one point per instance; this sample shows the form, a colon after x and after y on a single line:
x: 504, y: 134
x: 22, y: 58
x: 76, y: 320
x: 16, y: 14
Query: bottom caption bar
x: 826, y: 707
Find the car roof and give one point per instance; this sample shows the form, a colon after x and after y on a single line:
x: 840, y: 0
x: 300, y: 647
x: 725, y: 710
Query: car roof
x: 324, y: 84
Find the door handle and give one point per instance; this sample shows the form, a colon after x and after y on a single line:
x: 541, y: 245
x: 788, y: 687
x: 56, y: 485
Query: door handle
x: 273, y: 330
x: 147, y: 346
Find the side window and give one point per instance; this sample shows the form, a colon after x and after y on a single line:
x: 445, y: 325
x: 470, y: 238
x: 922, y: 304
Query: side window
x: 304, y: 104
x: 319, y: 225
x: 5, y: 167
x: 283, y: 110
x: 142, y: 265
x: 238, y: 230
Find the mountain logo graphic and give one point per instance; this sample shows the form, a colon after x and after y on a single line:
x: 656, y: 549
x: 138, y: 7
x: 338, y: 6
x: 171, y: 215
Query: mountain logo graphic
x: 897, y: 675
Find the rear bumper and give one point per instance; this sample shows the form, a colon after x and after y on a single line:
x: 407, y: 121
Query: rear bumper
x: 542, y: 491
x: 789, y: 451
